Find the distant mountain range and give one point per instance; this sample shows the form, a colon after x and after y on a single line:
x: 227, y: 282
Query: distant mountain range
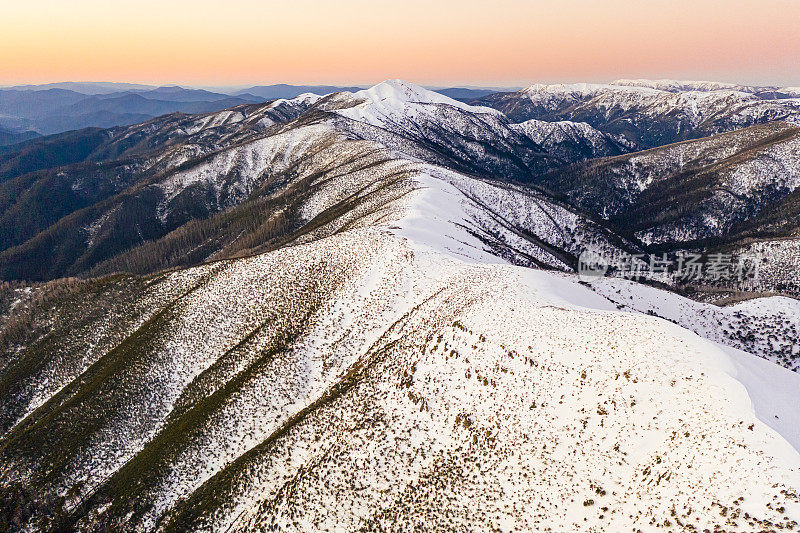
x: 27, y: 111
x: 55, y: 110
x: 651, y: 113
x: 85, y: 87
x: 663, y: 199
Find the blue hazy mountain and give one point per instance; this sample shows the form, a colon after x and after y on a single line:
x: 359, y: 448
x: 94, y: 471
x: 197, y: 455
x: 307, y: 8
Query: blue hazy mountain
x: 54, y: 110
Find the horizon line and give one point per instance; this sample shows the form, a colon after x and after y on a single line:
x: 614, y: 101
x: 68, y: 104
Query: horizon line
x: 362, y: 85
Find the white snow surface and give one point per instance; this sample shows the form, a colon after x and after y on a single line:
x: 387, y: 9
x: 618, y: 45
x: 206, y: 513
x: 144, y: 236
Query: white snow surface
x: 305, y: 98
x: 615, y: 395
x: 484, y: 394
x: 391, y: 92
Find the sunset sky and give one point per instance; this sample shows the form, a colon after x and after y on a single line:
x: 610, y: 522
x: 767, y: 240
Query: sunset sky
x: 446, y: 42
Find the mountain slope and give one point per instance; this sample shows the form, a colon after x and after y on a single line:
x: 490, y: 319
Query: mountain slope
x: 435, y: 128
x: 574, y: 141
x: 767, y: 326
x: 51, y: 151
x: 8, y: 137
x: 281, y: 90
x: 733, y: 194
x: 179, y: 190
x: 719, y: 182
x: 676, y: 86
x: 112, y: 161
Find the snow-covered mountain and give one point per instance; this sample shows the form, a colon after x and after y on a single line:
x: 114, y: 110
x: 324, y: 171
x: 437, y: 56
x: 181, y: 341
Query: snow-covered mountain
x: 397, y: 100
x: 435, y: 128
x: 359, y: 312
x: 651, y: 113
x: 734, y: 193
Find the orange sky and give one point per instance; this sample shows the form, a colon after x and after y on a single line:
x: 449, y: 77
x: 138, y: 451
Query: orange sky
x: 444, y: 42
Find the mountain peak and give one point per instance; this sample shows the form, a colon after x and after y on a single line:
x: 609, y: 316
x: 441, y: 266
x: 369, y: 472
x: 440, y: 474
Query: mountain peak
x: 395, y: 94
x: 404, y: 91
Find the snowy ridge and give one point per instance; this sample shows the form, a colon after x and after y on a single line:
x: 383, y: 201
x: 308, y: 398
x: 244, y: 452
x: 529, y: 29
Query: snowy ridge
x: 433, y: 380
x: 244, y: 165
x: 695, y: 106
x: 479, y: 221
x: 553, y: 96
x: 305, y: 99
x: 683, y: 86
x: 779, y: 267
x: 766, y: 327
x: 726, y: 179
x: 392, y: 92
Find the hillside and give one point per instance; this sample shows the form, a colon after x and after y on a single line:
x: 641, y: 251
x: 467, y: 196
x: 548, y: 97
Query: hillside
x: 182, y: 189
x: 718, y: 181
x: 8, y: 137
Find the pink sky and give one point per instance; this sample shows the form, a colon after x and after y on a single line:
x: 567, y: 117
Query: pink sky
x: 502, y: 42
